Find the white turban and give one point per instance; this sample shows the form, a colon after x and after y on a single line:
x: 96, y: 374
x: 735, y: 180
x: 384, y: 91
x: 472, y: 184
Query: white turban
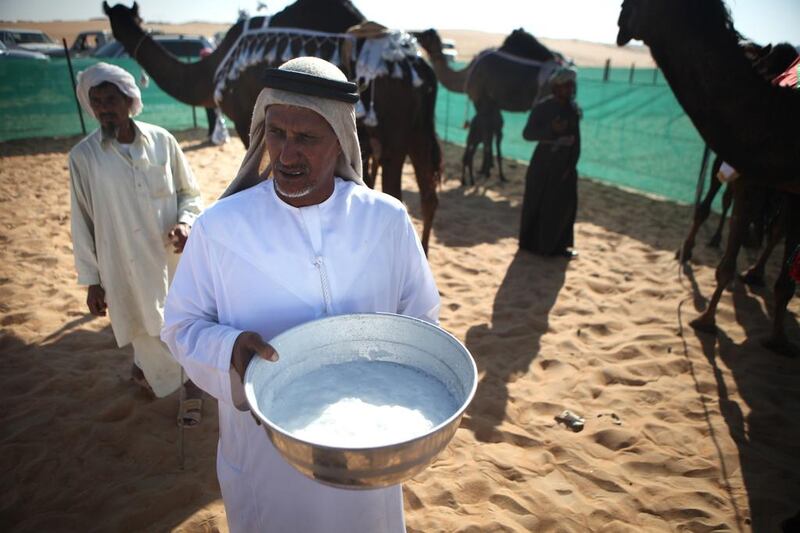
x: 563, y: 75
x: 102, y: 72
x: 339, y: 114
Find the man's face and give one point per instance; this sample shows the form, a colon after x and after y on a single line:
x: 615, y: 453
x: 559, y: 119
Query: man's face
x: 564, y: 91
x: 303, y: 150
x: 110, y: 106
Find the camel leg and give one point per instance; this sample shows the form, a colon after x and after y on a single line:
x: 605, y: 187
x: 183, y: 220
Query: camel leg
x: 701, y: 213
x: 754, y: 276
x: 473, y: 137
x: 486, y: 140
x: 726, y: 269
x: 784, y: 285
x: 727, y: 199
x: 422, y: 159
x: 498, y: 135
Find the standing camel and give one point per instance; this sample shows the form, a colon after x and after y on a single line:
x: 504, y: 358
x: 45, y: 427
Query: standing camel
x: 402, y: 112
x: 507, y: 79
x: 769, y: 61
x: 748, y: 122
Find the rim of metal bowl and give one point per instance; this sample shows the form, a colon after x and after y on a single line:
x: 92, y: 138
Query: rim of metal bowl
x: 253, y: 404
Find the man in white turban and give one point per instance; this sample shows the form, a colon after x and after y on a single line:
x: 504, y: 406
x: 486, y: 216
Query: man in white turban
x: 134, y: 200
x: 310, y: 242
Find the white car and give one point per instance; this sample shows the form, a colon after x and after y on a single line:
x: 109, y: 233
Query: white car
x: 31, y: 40
x: 19, y: 53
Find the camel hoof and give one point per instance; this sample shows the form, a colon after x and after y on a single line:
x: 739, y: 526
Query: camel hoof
x: 781, y: 346
x: 752, y: 278
x: 703, y: 324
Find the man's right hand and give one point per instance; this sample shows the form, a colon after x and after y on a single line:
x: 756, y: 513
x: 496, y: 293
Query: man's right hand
x: 96, y: 300
x: 248, y: 344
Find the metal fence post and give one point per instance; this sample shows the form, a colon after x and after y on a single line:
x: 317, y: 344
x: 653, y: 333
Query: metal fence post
x: 74, y: 89
x: 633, y: 68
x: 607, y: 69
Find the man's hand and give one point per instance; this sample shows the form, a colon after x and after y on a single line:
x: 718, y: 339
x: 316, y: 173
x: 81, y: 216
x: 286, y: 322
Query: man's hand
x: 565, y: 140
x: 178, y: 235
x: 248, y: 344
x: 96, y: 300
x: 559, y: 125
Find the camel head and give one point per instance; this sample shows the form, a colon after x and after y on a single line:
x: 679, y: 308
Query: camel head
x: 630, y: 19
x: 773, y: 60
x: 430, y: 41
x: 124, y: 20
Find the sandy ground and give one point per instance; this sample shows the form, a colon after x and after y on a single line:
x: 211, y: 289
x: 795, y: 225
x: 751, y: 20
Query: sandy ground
x: 690, y: 432
x: 468, y: 42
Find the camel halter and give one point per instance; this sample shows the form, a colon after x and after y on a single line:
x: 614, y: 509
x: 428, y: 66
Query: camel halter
x: 138, y: 44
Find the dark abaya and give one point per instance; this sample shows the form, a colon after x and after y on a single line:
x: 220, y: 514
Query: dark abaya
x: 551, y: 183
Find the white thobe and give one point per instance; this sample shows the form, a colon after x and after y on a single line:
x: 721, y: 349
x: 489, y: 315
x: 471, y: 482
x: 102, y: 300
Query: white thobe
x: 122, y: 210
x: 258, y: 264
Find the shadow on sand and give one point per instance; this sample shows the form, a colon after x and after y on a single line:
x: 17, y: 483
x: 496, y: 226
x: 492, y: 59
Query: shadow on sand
x: 760, y: 403
x: 85, y: 449
x: 507, y: 346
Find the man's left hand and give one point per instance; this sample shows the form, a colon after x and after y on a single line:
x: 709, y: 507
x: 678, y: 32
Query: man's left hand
x: 178, y: 235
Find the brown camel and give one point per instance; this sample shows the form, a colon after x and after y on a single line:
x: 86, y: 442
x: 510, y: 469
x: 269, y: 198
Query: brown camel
x: 494, y: 80
x: 405, y: 112
x: 748, y: 122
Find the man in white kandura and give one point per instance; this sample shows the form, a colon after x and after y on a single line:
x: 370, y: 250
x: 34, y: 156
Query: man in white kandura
x: 134, y: 200
x: 309, y: 243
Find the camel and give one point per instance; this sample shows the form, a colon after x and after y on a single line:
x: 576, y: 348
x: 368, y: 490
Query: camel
x: 769, y: 61
x: 748, y: 122
x: 508, y: 79
x: 404, y: 111
x: 483, y: 128
x: 743, y: 118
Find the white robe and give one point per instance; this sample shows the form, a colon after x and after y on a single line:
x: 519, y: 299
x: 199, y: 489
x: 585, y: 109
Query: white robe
x: 122, y: 209
x: 255, y: 263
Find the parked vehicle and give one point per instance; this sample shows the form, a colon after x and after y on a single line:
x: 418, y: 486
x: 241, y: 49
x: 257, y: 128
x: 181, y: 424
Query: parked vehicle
x: 177, y: 45
x: 32, y: 40
x: 86, y: 43
x: 19, y: 53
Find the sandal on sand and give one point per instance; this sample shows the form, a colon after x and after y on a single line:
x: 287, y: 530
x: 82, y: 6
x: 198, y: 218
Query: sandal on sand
x: 137, y: 376
x: 190, y: 412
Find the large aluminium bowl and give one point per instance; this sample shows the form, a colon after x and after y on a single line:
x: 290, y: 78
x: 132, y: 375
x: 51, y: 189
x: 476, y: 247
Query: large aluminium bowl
x: 362, y: 337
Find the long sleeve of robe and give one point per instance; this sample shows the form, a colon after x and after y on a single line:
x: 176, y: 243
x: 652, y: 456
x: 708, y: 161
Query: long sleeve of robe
x: 122, y: 210
x: 256, y: 263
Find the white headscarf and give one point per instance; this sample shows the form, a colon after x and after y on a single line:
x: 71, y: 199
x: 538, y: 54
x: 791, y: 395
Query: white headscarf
x: 102, y: 72
x: 340, y: 115
x: 563, y: 75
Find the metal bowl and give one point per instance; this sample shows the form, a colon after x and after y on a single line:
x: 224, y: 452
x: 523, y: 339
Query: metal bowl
x: 362, y: 337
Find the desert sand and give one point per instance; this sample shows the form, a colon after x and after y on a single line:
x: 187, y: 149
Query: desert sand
x: 684, y: 431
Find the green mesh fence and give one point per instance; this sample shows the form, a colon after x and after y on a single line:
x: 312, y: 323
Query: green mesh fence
x: 36, y: 100
x: 634, y: 132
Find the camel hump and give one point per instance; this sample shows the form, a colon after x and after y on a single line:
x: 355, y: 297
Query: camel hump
x: 522, y: 44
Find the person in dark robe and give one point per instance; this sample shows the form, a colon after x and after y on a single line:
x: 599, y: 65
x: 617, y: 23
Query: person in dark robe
x: 551, y: 183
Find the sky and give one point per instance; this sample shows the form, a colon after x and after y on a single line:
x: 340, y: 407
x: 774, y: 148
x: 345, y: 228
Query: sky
x: 763, y: 21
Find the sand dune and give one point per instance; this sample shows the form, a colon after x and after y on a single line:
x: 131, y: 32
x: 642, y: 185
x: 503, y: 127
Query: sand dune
x: 689, y: 432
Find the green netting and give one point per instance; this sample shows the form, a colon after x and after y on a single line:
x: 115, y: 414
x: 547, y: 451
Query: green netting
x: 634, y: 132
x: 36, y: 100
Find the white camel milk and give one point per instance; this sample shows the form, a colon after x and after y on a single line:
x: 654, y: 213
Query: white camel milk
x: 362, y: 404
